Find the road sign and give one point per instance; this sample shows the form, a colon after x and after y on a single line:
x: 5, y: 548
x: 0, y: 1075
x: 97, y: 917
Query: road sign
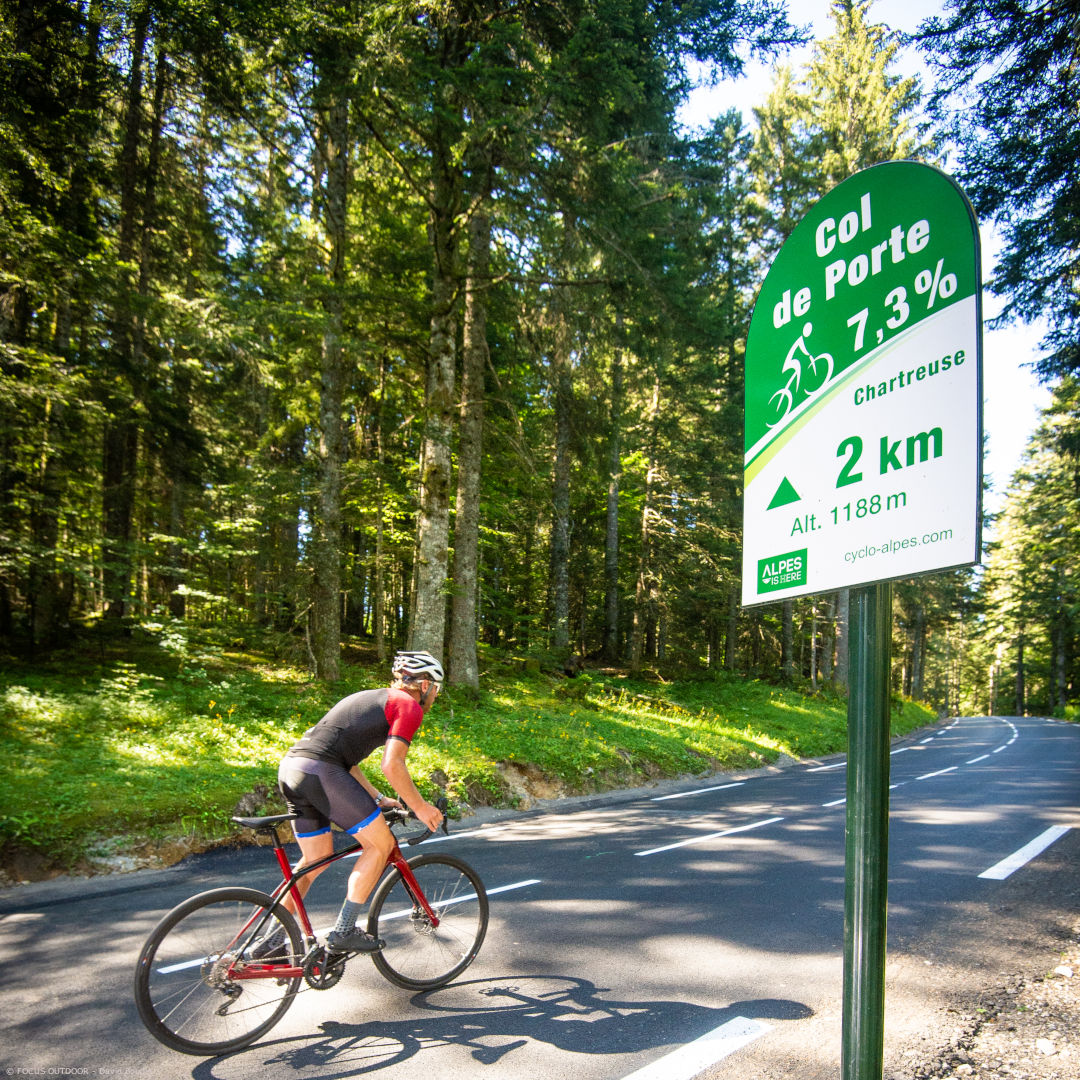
x: 863, y: 436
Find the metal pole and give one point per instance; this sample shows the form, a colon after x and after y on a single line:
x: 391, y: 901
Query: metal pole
x: 867, y: 838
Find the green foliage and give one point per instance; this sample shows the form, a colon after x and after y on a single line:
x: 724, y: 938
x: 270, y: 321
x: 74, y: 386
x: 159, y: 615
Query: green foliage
x: 1029, y: 596
x: 172, y: 276
x: 1007, y: 93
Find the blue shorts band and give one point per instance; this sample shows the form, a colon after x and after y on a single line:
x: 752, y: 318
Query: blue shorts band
x: 321, y: 792
x: 365, y: 823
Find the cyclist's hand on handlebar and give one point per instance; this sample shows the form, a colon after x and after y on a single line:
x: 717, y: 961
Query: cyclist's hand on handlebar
x: 430, y: 816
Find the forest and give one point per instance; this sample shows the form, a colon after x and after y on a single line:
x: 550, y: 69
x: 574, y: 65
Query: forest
x: 420, y: 323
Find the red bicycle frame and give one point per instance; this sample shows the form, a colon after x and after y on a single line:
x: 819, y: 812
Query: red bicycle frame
x: 246, y: 969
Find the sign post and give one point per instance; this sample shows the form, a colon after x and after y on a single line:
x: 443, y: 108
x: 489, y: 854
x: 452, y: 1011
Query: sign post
x: 863, y: 464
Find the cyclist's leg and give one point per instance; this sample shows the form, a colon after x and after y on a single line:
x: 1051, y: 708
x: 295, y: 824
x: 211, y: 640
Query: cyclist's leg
x: 378, y: 842
x: 304, y: 797
x: 331, y: 794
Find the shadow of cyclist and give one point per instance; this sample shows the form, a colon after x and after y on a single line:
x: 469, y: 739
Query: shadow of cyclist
x: 496, y: 1017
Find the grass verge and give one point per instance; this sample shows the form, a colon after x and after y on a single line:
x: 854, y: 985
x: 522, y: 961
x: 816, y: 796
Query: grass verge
x: 153, y: 746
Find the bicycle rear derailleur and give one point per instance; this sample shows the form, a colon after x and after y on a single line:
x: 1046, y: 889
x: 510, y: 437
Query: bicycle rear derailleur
x: 323, y: 969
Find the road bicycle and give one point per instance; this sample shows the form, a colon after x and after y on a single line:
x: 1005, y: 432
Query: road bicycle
x: 208, y: 983
x: 811, y: 387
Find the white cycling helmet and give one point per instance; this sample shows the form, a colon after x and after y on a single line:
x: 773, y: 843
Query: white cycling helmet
x: 417, y: 665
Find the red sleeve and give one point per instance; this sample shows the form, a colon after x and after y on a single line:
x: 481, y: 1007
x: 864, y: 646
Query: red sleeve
x: 404, y: 715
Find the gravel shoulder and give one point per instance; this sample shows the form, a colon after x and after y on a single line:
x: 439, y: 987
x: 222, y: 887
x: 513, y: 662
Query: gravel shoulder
x: 995, y: 991
x: 1024, y: 1025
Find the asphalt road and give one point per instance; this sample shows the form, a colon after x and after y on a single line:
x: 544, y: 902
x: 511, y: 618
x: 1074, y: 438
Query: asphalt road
x: 693, y: 929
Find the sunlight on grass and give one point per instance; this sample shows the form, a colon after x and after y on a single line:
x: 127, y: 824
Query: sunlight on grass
x: 167, y: 746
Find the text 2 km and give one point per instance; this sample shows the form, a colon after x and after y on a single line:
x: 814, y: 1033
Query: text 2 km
x: 916, y: 449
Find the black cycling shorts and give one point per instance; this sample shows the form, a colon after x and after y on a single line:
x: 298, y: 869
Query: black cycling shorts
x: 320, y: 792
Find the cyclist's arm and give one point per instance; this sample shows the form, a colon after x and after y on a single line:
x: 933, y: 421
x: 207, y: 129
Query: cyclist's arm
x: 397, y: 772
x: 369, y: 787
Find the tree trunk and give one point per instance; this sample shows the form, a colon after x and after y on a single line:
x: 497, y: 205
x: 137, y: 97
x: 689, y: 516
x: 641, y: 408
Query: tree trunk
x: 1021, y: 691
x: 731, y: 638
x: 428, y: 627
x: 560, y: 496
x: 326, y: 540
x: 1060, y: 668
x: 611, y: 533
x: 918, y: 651
x: 643, y: 590
x: 787, y: 643
x: 828, y: 635
x: 464, y: 668
x: 120, y: 449
x: 378, y: 598
x: 843, y: 607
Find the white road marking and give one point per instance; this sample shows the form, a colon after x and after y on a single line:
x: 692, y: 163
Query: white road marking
x: 940, y: 772
x: 699, y: 791
x: 460, y: 899
x: 976, y: 760
x: 1000, y: 871
x: 826, y: 768
x: 709, y: 836
x: 390, y: 915
x: 693, y: 1058
x: 462, y: 835
x: 836, y: 802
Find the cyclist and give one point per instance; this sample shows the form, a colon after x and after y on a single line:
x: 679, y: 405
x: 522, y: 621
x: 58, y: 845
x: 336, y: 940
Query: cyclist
x: 321, y: 781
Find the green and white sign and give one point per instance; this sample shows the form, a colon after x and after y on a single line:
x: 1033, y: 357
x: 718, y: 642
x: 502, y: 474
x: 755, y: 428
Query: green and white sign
x: 863, y: 440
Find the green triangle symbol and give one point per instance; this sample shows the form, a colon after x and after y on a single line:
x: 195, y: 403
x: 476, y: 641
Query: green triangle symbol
x: 785, y: 494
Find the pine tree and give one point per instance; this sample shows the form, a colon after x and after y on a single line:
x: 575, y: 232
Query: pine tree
x: 1008, y: 90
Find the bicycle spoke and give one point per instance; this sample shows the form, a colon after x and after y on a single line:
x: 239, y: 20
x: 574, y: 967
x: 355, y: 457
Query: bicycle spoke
x: 419, y: 954
x: 183, y: 989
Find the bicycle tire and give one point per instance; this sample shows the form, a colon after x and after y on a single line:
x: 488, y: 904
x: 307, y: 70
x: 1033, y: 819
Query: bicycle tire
x: 416, y: 954
x: 182, y: 993
x: 814, y: 385
x: 785, y: 395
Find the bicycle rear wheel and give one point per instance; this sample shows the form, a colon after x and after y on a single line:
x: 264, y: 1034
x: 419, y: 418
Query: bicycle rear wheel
x: 183, y: 989
x: 419, y: 955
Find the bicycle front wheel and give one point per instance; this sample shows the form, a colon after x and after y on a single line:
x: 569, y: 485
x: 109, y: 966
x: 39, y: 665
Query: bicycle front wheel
x: 419, y: 955
x: 185, y: 986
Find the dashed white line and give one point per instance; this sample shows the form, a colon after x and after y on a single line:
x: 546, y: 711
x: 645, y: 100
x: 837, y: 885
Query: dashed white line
x: 436, y: 904
x: 699, y: 791
x: 976, y: 760
x: 1001, y: 870
x: 693, y: 1058
x: 940, y: 772
x: 710, y: 836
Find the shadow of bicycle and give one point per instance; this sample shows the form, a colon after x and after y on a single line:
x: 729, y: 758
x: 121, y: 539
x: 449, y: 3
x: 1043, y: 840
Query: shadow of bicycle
x: 496, y: 1017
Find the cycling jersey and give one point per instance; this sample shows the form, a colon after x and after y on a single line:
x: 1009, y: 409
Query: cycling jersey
x: 314, y: 774
x: 356, y: 725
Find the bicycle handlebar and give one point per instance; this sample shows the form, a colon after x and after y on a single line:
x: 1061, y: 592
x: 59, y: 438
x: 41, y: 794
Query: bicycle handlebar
x: 399, y: 817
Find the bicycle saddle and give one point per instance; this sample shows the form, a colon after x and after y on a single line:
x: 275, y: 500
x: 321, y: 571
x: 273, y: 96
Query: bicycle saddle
x: 261, y: 824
